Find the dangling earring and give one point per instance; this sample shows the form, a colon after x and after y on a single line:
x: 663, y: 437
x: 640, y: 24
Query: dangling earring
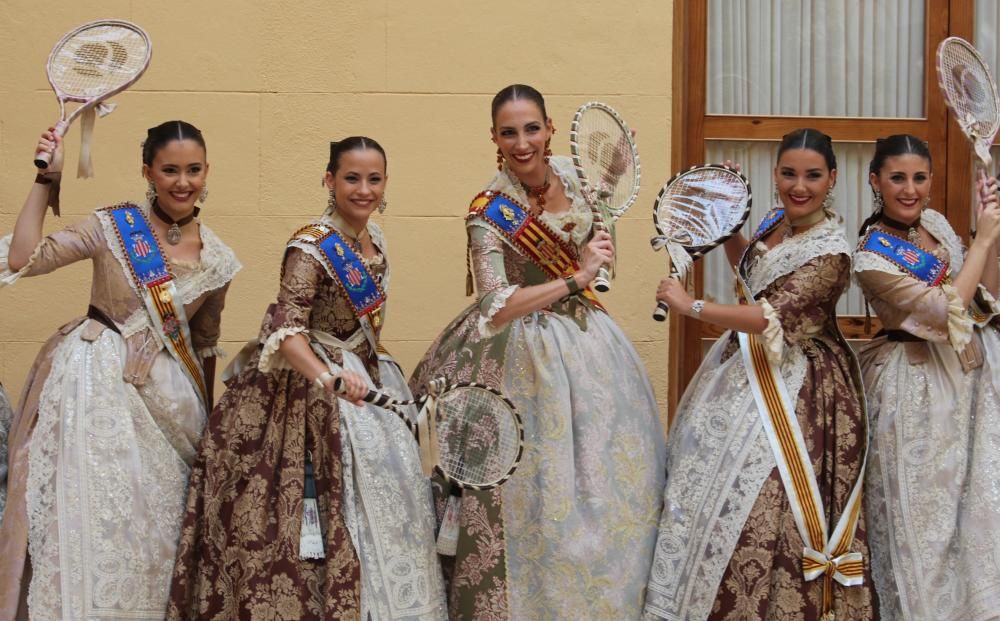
x: 204, y: 194
x: 927, y: 203
x: 499, y: 159
x: 776, y: 200
x: 878, y: 204
x: 150, y: 192
x: 331, y: 203
x: 548, y: 152
x: 382, y: 204
x: 828, y: 201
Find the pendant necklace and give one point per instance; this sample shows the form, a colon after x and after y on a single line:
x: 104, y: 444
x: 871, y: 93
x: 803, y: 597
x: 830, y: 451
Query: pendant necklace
x: 539, y: 191
x: 912, y: 234
x: 174, y: 231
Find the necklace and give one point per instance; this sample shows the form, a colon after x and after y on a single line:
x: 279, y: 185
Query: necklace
x: 539, y: 191
x: 348, y: 231
x: 912, y: 234
x: 809, y: 220
x: 174, y: 232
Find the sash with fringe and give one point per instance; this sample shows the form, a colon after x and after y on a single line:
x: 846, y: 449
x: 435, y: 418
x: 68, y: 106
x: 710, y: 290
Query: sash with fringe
x: 151, y: 277
x: 825, y: 554
x: 529, y: 236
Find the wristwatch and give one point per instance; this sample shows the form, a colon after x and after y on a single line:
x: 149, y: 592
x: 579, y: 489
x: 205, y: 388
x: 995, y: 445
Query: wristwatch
x: 696, y: 307
x: 321, y: 379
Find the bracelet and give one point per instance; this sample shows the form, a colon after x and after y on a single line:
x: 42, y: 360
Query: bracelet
x: 322, y: 378
x: 45, y: 179
x: 696, y: 307
x: 574, y: 287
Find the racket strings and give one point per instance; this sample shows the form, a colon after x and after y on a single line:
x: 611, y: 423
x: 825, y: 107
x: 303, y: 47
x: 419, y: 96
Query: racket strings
x: 478, y: 437
x: 607, y: 156
x: 698, y: 208
x: 968, y: 89
x: 97, y: 60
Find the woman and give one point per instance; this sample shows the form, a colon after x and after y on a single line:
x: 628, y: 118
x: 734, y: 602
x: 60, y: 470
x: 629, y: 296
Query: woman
x: 571, y: 534
x: 281, y: 446
x: 114, y: 406
x: 732, y: 545
x: 932, y: 376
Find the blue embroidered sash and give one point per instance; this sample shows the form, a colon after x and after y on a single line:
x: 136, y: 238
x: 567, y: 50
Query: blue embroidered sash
x: 531, y: 237
x: 346, y: 267
x: 770, y: 220
x: 151, y: 277
x: 909, y: 257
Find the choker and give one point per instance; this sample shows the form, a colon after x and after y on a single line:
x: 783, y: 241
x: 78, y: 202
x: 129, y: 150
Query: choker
x: 174, y: 231
x: 539, y: 191
x: 790, y: 225
x: 912, y: 234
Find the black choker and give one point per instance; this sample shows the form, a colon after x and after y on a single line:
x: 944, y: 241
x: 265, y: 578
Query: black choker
x: 912, y: 235
x: 174, y: 232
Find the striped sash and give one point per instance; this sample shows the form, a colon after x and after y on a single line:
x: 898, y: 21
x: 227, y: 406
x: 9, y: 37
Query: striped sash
x: 528, y: 235
x: 151, y: 277
x: 825, y: 554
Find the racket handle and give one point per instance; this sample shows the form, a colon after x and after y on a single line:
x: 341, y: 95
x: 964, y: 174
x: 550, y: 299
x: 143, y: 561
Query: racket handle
x: 372, y: 396
x: 44, y: 158
x: 660, y: 314
x: 602, y: 281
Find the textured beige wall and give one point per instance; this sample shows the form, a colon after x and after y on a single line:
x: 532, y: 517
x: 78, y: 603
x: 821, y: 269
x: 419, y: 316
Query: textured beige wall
x: 270, y: 83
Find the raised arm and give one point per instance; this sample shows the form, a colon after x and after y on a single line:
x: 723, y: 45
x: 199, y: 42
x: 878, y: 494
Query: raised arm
x: 28, y: 229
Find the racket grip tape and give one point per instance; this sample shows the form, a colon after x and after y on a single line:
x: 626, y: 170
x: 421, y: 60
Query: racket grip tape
x: 602, y: 281
x: 340, y: 387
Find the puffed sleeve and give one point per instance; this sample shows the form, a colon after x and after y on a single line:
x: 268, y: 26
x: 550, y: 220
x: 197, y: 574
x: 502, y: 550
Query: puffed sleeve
x: 74, y: 243
x: 797, y: 309
x: 935, y: 314
x: 301, y: 275
x: 205, y: 324
x: 486, y: 249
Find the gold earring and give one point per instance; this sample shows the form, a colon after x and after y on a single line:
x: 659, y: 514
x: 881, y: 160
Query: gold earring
x: 499, y: 159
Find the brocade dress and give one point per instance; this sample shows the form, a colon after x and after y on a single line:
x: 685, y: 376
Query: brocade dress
x: 934, y: 469
x: 239, y: 554
x: 728, y: 546
x: 570, y: 535
x: 104, y: 436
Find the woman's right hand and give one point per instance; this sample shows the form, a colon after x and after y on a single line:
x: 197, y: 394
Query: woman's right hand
x: 51, y: 142
x: 599, y: 251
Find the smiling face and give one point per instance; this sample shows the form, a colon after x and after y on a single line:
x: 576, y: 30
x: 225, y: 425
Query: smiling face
x: 905, y: 183
x: 520, y: 130
x: 803, y: 180
x: 178, y: 172
x: 358, y: 184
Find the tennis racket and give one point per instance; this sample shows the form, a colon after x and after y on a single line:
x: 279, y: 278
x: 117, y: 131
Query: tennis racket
x: 607, y: 163
x: 476, y: 431
x: 89, y: 65
x: 696, y: 211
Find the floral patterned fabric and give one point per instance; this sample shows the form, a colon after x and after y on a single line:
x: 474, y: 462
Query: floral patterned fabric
x: 239, y: 551
x: 103, y: 439
x: 933, y: 495
x: 570, y: 535
x: 728, y: 547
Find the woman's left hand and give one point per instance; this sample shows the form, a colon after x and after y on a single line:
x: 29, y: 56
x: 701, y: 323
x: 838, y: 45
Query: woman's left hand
x: 673, y: 293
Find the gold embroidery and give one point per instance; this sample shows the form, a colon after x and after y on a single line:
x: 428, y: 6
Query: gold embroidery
x: 339, y: 249
x: 129, y: 218
x: 508, y: 213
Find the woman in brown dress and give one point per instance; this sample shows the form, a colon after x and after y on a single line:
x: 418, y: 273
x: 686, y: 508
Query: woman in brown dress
x: 303, y: 505
x: 112, y: 411
x: 779, y: 394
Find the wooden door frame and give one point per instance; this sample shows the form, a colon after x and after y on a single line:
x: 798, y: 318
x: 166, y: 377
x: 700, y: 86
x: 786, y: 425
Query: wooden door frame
x: 691, y: 127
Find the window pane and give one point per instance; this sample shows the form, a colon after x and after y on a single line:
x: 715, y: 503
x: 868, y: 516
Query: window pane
x: 987, y: 23
x: 816, y: 58
x: 852, y: 199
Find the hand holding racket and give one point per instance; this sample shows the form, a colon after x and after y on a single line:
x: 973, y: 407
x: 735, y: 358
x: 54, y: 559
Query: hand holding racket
x: 88, y: 65
x: 607, y: 163
x: 474, y: 435
x: 697, y: 210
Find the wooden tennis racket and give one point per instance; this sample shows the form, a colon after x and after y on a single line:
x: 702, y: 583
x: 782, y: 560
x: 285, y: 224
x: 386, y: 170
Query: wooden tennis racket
x: 607, y: 163
x: 88, y: 65
x: 697, y: 210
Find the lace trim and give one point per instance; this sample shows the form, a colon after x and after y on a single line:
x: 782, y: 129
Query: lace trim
x: 270, y: 358
x: 938, y: 226
x: 500, y: 297
x: 211, y: 352
x: 960, y: 324
x: 774, y: 335
x: 823, y: 239
x: 992, y: 307
x: 7, y: 277
x: 218, y: 266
